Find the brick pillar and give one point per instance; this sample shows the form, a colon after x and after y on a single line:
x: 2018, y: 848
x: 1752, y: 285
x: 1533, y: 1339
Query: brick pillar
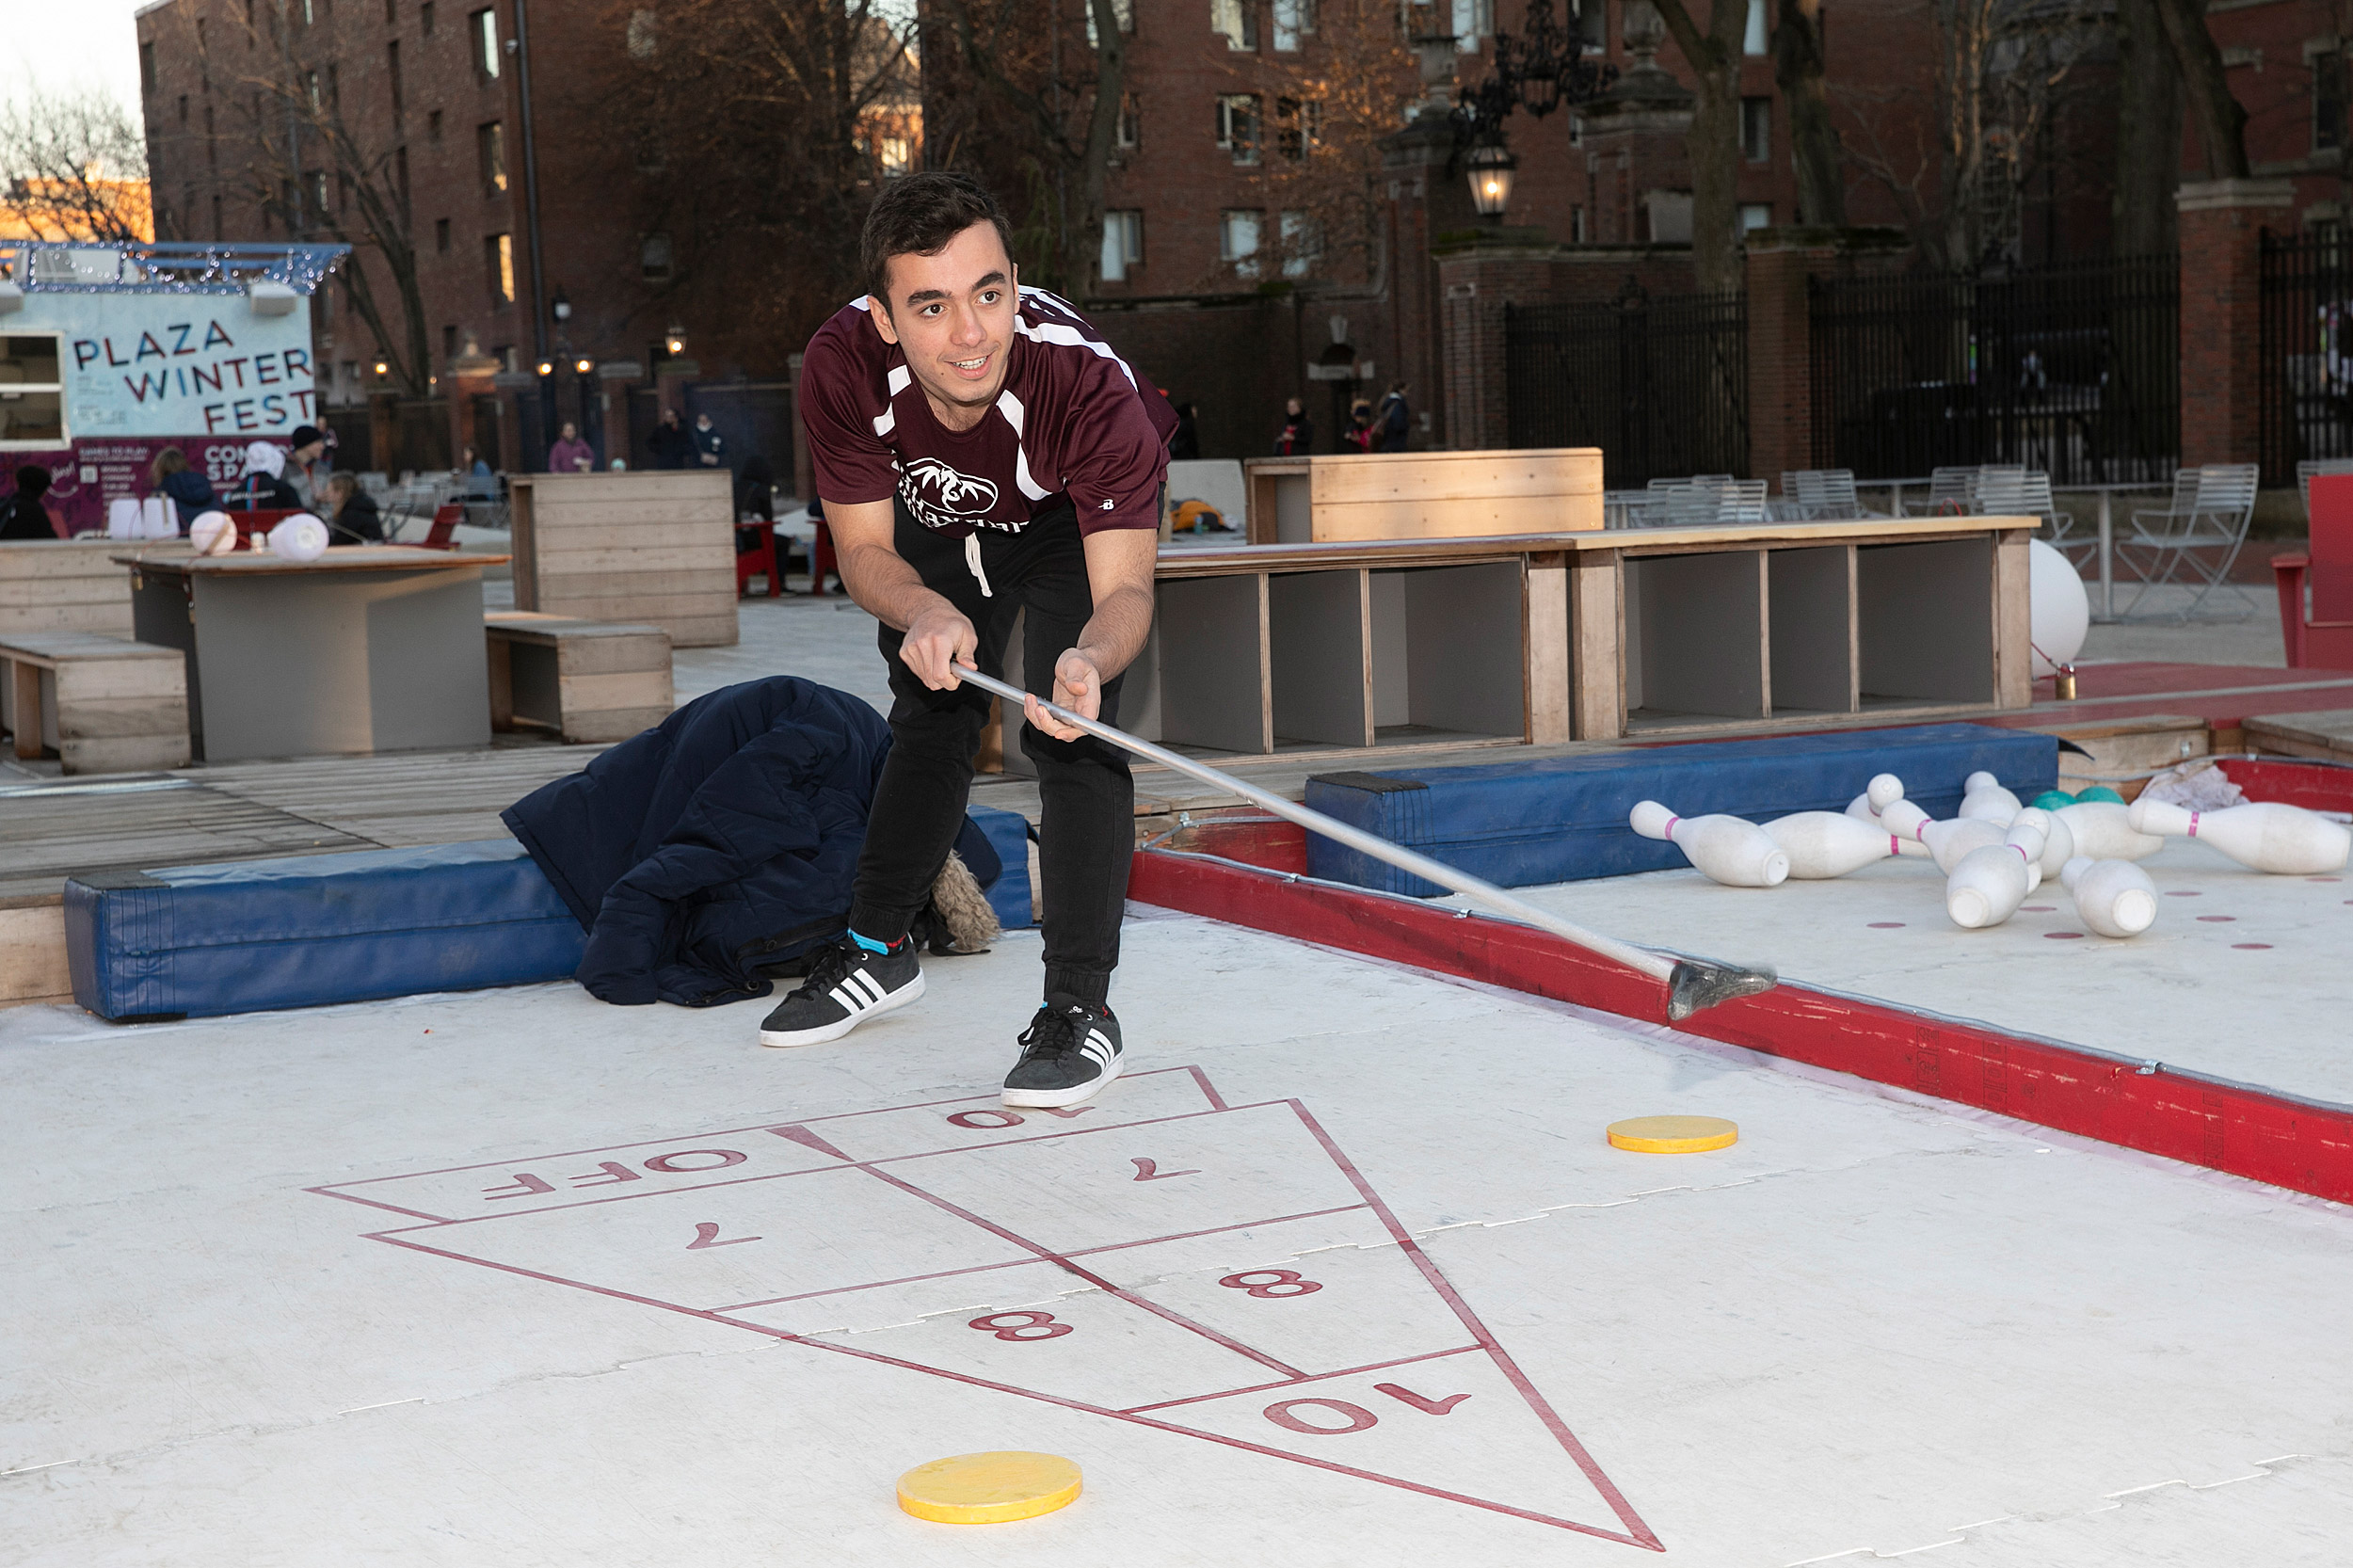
x: 2221, y: 222
x: 1478, y: 276
x: 1782, y: 263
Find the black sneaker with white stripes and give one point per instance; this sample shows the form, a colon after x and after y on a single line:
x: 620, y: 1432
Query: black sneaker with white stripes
x: 1070, y: 1052
x: 847, y: 985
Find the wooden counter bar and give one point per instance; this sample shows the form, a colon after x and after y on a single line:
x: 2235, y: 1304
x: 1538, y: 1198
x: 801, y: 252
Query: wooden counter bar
x: 651, y: 546
x: 370, y: 648
x: 1584, y: 635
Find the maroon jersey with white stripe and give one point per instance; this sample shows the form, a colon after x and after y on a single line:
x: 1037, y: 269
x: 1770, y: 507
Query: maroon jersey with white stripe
x: 1072, y: 419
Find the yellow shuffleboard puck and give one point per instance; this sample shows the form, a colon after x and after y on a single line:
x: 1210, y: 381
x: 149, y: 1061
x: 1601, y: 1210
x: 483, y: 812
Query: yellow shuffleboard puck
x: 1673, y: 1134
x: 989, y: 1489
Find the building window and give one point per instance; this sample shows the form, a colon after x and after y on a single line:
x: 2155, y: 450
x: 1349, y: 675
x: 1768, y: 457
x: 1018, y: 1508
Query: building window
x: 316, y: 194
x: 1577, y: 225
x: 391, y: 73
x: 424, y: 18
x: 440, y: 233
x: 1293, y: 21
x: 218, y: 230
x: 146, y: 77
x: 1756, y: 215
x: 1301, y: 244
x: 1237, y: 125
x: 311, y: 89
x: 642, y: 40
x: 1298, y: 127
x: 334, y: 86
x: 498, y: 258
x: 1473, y: 20
x: 2329, y: 95
x: 32, y: 406
x: 490, y: 143
x: 391, y: 13
x: 1123, y: 244
x: 433, y: 126
x: 1756, y: 130
x: 400, y: 178
x: 1123, y: 12
x: 483, y: 28
x: 1131, y: 135
x: 184, y: 108
x: 1238, y: 20
x: 1593, y: 24
x: 1238, y: 239
x: 212, y: 144
x: 1753, y: 41
x: 449, y: 344
x: 653, y: 258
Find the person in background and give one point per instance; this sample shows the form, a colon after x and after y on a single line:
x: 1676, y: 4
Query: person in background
x: 1299, y: 432
x: 264, y: 487
x: 570, y: 454
x: 755, y: 497
x: 709, y: 445
x: 351, y: 513
x: 190, y: 491
x: 1184, y: 442
x: 310, y: 445
x: 669, y: 444
x: 22, y: 516
x: 481, y: 482
x: 1390, y: 424
x: 820, y: 557
x: 1360, y: 432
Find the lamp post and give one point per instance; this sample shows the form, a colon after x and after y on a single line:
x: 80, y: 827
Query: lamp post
x: 1491, y: 168
x: 1541, y: 69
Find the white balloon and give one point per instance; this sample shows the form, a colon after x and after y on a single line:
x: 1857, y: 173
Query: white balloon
x: 2061, y: 611
x: 213, y: 532
x: 299, y: 537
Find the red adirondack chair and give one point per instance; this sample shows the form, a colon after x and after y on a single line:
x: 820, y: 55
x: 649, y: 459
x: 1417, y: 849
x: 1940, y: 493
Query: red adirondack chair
x: 2318, y: 634
x: 760, y: 558
x: 443, y: 534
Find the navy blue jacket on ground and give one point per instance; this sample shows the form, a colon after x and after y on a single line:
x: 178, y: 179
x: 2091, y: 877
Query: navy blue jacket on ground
x: 718, y: 844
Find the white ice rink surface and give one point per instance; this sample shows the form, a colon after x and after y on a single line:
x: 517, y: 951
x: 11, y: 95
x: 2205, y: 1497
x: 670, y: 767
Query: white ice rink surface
x: 1876, y: 1325
x: 2244, y: 976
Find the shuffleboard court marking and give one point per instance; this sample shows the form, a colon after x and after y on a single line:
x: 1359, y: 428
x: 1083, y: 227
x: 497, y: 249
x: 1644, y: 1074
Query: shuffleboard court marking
x: 1158, y: 1328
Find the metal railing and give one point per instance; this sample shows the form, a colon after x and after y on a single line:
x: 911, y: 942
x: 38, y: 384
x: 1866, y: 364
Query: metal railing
x: 2305, y: 349
x: 1661, y: 386
x: 2074, y: 369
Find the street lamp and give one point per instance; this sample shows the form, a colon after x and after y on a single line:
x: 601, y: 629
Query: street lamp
x: 561, y: 305
x: 547, y: 367
x: 676, y: 342
x: 1491, y: 170
x: 583, y: 366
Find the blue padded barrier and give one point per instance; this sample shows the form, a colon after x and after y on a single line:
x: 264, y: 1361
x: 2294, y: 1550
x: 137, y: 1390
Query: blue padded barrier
x: 1008, y: 834
x: 309, y: 930
x: 1563, y: 819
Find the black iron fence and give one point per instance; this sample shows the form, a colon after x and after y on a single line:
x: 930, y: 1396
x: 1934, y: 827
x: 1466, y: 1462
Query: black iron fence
x: 2306, y: 350
x: 1661, y: 386
x: 2074, y: 370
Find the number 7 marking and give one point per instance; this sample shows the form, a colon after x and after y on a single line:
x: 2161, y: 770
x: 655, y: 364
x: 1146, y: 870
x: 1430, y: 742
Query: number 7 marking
x: 1150, y: 1169
x: 1428, y: 1407
x: 707, y: 1235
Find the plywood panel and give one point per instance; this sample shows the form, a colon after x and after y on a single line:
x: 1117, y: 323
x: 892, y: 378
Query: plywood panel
x: 1810, y: 615
x: 32, y: 955
x: 1699, y: 638
x: 641, y: 547
x: 1531, y: 473
x: 1321, y: 674
x: 2013, y: 624
x: 1925, y: 620
x: 1464, y: 646
x: 1392, y: 681
x: 1598, y: 674
x: 1213, y: 664
x: 1467, y: 517
x: 1545, y: 656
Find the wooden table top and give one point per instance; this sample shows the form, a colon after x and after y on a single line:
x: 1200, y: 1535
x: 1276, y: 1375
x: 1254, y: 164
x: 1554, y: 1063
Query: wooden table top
x: 358, y: 557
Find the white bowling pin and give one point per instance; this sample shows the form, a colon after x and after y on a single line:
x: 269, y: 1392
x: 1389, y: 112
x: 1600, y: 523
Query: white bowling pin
x: 2113, y: 897
x: 2058, y: 842
x: 2103, y: 830
x: 1829, y: 844
x: 1989, y: 884
x: 1950, y: 840
x: 2265, y: 835
x: 1982, y: 795
x: 1735, y: 853
x: 1885, y: 789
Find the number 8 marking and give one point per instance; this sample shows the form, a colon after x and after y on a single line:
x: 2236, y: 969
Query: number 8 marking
x: 1270, y: 1284
x: 1016, y: 1326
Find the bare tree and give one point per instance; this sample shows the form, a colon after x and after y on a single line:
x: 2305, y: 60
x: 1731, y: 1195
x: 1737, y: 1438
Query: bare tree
x: 1319, y: 165
x: 1815, y: 155
x: 2221, y: 119
x: 2148, y: 132
x: 1063, y: 74
x: 766, y: 126
x: 75, y: 168
x: 1713, y: 141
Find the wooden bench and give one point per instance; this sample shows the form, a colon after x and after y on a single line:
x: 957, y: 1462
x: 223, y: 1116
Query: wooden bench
x: 586, y: 679
x: 64, y: 585
x: 652, y: 547
x: 101, y: 704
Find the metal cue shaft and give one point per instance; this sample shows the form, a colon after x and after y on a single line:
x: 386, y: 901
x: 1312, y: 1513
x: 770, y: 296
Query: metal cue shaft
x: 1652, y: 964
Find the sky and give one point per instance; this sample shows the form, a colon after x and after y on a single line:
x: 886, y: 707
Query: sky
x: 66, y: 43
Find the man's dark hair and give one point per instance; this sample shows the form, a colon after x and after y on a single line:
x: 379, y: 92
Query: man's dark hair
x: 918, y: 216
x: 32, y: 481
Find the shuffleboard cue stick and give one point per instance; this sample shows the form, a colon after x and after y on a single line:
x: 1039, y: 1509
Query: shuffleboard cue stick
x: 1691, y: 983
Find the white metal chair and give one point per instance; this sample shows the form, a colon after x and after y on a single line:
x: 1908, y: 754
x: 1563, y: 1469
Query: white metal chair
x: 1952, y: 492
x: 1818, y: 495
x: 2199, y: 533
x: 2304, y: 472
x: 2026, y: 493
x: 1711, y: 500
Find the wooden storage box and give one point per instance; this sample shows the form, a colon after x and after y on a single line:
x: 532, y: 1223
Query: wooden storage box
x: 586, y: 680
x: 103, y: 704
x: 66, y: 586
x: 1424, y: 495
x: 656, y: 547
